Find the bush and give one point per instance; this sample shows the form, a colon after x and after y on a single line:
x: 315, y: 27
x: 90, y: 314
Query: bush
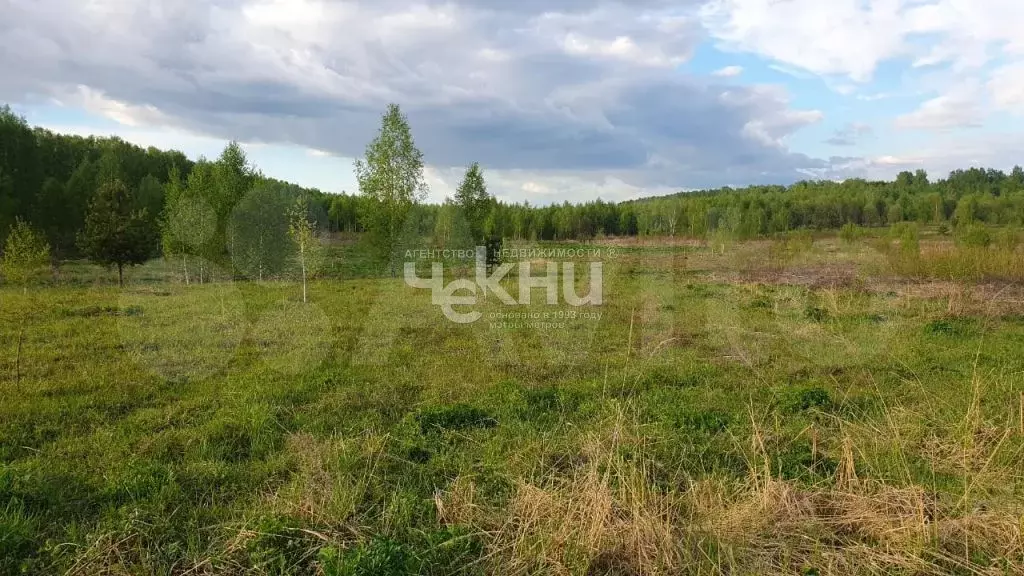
x: 801, y: 241
x: 25, y: 251
x: 909, y: 237
x: 974, y: 236
x: 849, y: 232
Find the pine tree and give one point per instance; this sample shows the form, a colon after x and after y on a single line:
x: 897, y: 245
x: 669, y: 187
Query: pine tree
x: 473, y: 199
x: 116, y: 234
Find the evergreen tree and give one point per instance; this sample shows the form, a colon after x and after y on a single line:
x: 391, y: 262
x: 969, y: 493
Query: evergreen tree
x: 474, y: 201
x: 115, y: 233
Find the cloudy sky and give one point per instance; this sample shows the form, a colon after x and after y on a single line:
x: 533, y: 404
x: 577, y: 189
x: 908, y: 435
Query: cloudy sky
x: 558, y: 99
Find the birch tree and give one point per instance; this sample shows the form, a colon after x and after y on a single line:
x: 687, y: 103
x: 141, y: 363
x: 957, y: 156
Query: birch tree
x: 309, y: 251
x: 391, y: 178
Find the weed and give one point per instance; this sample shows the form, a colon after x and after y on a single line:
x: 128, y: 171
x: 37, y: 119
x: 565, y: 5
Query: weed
x: 804, y: 399
x: 457, y: 417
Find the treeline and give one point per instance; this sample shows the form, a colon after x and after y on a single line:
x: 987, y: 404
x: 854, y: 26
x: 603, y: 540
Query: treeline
x: 50, y: 180
x: 973, y: 196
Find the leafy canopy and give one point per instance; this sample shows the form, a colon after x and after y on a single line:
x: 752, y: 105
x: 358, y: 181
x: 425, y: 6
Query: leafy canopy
x: 391, y: 178
x: 25, y: 251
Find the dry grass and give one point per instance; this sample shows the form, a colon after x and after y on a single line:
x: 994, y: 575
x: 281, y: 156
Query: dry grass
x: 333, y: 477
x: 943, y: 260
x: 610, y: 516
x: 606, y: 515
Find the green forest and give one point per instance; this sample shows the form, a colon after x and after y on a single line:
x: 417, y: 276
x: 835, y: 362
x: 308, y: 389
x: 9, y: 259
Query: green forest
x: 49, y: 182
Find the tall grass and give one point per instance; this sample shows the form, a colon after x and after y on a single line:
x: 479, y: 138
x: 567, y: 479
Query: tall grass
x: 956, y: 262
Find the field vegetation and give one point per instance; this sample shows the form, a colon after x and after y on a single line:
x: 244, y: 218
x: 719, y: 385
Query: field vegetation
x: 207, y: 371
x: 808, y: 404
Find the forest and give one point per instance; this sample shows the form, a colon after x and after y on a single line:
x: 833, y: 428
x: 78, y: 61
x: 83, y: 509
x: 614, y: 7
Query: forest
x: 49, y: 181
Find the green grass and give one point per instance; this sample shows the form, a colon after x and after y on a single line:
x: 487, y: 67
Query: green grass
x: 741, y: 411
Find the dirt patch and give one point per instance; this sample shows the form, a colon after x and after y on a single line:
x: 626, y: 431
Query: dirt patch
x: 822, y: 276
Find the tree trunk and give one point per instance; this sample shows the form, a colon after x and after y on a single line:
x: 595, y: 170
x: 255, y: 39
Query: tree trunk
x: 120, y: 275
x: 303, y: 279
x: 17, y: 361
x: 184, y: 264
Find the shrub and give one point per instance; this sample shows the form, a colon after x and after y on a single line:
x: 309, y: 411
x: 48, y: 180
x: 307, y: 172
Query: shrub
x: 909, y: 237
x: 849, y: 232
x: 25, y: 251
x: 974, y: 236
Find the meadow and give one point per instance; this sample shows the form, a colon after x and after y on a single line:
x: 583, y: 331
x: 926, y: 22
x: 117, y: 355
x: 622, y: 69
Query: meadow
x: 803, y: 405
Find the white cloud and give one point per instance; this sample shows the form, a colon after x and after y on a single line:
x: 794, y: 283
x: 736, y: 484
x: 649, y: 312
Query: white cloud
x: 852, y: 37
x: 96, y: 102
x: 728, y: 71
x: 772, y: 129
x: 1007, y: 88
x: 873, y: 97
x: 620, y: 33
x: 582, y: 97
x: 622, y: 48
x: 960, y: 107
x: 834, y: 37
x: 948, y: 152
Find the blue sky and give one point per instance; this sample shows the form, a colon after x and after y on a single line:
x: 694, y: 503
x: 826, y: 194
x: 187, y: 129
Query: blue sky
x: 558, y: 100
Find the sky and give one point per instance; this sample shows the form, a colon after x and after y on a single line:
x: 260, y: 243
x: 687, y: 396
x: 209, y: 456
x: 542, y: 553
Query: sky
x: 559, y: 100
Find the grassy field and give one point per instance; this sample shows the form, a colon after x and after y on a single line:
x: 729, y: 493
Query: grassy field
x: 796, y: 406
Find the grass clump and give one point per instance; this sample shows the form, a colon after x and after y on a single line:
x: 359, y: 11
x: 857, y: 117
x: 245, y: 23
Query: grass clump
x: 457, y: 417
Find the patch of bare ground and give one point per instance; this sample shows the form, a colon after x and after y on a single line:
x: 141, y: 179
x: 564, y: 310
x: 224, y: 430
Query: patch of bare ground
x: 986, y: 298
x: 811, y: 276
